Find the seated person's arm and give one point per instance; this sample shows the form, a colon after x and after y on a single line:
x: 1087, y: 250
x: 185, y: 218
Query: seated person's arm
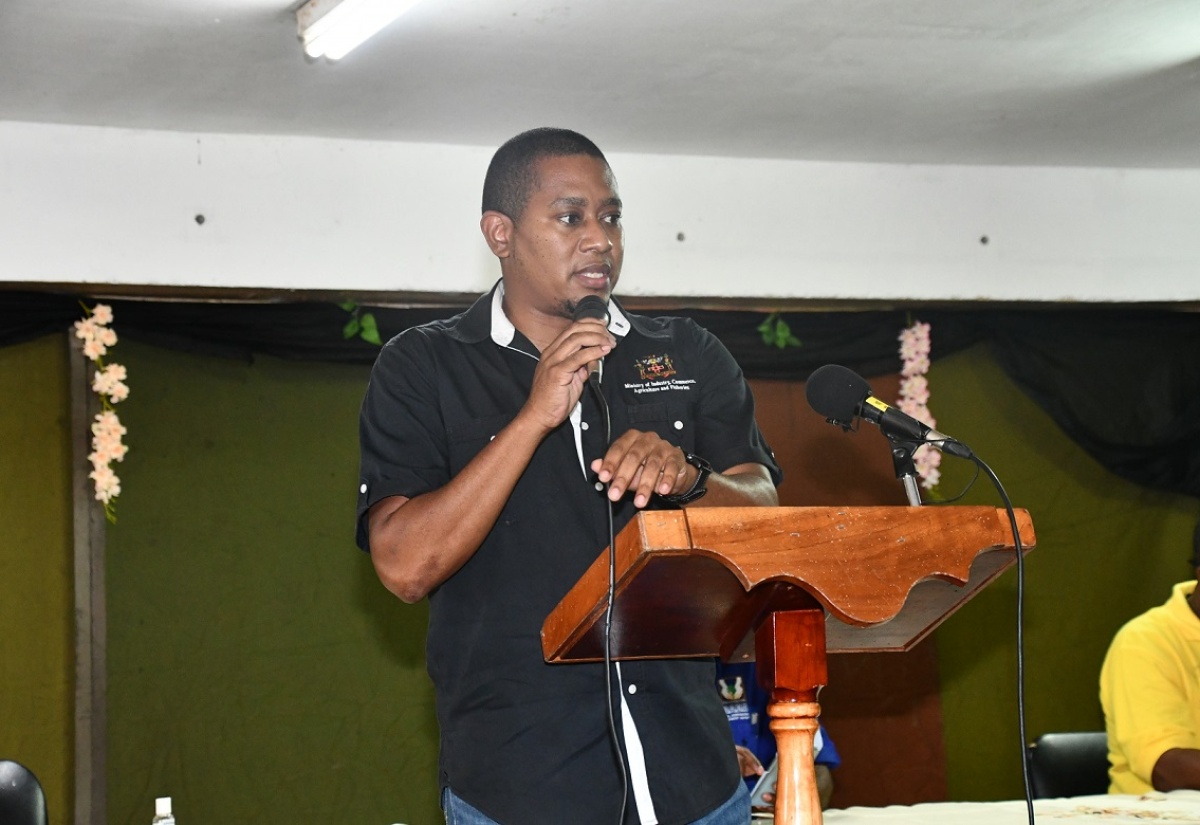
x: 1177, y: 769
x: 1147, y: 715
x: 748, y: 762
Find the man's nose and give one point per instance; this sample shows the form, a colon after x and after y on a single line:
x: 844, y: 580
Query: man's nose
x: 597, y: 237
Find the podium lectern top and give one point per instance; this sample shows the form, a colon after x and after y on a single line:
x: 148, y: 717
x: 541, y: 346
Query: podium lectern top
x: 697, y: 582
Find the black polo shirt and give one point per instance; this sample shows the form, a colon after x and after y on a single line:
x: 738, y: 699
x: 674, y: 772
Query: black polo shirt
x: 522, y: 740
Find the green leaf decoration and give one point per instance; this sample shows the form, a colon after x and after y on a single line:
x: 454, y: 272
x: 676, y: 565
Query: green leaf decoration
x: 775, y: 332
x: 370, y: 331
x: 361, y: 324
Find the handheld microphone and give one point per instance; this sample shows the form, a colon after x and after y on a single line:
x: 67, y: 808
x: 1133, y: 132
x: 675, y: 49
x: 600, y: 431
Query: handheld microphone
x: 591, y: 306
x: 840, y: 394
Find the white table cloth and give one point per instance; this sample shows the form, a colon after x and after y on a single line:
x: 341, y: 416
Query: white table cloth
x: 1174, y: 807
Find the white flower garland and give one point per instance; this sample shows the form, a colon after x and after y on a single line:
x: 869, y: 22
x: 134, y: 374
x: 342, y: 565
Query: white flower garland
x: 109, y: 383
x: 914, y: 396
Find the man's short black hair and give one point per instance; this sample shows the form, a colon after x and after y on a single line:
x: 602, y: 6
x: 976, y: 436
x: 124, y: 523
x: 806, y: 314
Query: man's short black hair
x: 512, y: 174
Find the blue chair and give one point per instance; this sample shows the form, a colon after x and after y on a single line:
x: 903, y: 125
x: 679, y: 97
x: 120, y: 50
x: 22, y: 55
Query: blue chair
x: 21, y: 799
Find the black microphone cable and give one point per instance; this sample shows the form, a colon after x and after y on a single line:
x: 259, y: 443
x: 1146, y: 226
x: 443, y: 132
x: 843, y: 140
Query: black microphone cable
x: 613, y: 731
x: 594, y: 307
x: 980, y: 464
x: 1012, y: 522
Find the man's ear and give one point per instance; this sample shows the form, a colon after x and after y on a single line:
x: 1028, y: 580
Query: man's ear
x: 497, y: 230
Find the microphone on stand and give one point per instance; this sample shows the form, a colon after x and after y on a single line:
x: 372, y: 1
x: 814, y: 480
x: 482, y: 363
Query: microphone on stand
x: 841, y: 395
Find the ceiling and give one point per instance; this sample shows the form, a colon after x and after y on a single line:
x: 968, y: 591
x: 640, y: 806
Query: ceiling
x: 1111, y: 83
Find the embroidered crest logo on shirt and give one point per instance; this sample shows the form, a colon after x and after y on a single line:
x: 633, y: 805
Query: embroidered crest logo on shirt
x: 655, y: 367
x: 658, y: 374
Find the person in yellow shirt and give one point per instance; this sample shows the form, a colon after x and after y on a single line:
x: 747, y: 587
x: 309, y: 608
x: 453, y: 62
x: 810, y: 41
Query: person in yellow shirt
x: 1150, y: 692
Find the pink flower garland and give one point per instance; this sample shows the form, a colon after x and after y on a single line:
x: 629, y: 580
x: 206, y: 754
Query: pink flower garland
x: 109, y: 383
x: 914, y: 395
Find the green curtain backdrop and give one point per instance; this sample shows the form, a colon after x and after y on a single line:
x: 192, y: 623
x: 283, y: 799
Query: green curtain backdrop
x: 36, y: 568
x: 1123, y: 382
x: 259, y: 673
x: 287, y: 673
x: 1107, y: 550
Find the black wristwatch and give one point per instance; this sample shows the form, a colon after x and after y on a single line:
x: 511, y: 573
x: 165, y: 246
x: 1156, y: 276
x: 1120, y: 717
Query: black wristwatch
x: 699, y: 488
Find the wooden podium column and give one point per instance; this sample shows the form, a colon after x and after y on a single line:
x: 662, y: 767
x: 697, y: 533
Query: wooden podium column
x: 790, y: 649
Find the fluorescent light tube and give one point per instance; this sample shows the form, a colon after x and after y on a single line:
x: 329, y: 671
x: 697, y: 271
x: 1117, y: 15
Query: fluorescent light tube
x: 332, y: 28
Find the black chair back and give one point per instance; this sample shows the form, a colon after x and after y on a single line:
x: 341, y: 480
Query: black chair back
x: 21, y: 799
x: 1068, y: 764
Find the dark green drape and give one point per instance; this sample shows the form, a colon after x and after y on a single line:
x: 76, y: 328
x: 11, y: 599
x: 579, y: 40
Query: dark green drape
x: 1122, y: 383
x: 1124, y: 386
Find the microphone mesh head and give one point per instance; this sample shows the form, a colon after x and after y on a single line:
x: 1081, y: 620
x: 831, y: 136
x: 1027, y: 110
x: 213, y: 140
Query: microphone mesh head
x: 590, y: 306
x: 836, y: 393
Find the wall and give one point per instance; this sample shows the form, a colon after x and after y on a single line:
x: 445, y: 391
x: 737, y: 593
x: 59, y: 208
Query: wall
x: 110, y: 206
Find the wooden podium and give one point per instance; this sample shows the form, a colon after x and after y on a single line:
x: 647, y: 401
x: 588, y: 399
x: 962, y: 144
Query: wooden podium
x: 783, y: 585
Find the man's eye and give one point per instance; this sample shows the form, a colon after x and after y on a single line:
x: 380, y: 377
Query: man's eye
x: 614, y: 218
x: 570, y: 217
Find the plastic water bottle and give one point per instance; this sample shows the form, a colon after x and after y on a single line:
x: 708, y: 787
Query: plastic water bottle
x: 162, y: 811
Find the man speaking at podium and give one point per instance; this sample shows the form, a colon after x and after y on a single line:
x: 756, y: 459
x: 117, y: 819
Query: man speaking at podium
x: 487, y: 478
